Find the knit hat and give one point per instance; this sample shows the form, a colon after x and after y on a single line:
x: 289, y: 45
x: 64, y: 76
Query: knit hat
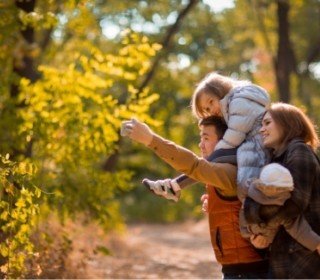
x: 273, y: 186
x: 275, y: 176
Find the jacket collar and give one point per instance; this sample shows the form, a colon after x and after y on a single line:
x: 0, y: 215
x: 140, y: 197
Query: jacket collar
x: 286, y: 147
x: 224, y: 104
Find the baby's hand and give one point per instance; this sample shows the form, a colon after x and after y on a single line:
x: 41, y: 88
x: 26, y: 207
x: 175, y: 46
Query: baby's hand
x: 259, y: 241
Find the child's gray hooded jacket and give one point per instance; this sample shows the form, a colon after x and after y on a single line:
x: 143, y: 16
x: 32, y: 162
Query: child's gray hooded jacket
x: 243, y: 109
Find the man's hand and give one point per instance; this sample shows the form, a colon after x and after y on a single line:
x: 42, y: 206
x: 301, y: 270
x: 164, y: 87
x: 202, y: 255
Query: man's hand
x: 259, y: 241
x: 204, y: 200
x: 137, y: 131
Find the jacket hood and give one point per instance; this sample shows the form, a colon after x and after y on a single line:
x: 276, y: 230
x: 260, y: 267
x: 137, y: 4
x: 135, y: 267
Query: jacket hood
x: 252, y: 92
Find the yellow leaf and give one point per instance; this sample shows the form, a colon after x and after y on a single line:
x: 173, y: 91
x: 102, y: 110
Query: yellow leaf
x: 4, y: 215
x: 20, y: 203
x: 4, y: 268
x: 3, y: 252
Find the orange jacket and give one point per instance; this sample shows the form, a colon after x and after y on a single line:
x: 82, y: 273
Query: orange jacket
x: 228, y: 244
x: 230, y: 248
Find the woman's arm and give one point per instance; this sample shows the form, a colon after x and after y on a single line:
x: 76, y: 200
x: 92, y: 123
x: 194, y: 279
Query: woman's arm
x: 302, y: 232
x: 302, y: 165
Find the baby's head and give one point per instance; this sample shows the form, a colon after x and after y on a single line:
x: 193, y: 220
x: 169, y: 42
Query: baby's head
x: 275, y: 179
x: 273, y: 187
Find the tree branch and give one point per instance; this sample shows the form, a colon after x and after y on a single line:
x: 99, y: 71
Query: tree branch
x: 262, y: 28
x: 166, y: 44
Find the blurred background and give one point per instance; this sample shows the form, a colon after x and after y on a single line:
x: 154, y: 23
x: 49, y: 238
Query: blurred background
x: 73, y: 70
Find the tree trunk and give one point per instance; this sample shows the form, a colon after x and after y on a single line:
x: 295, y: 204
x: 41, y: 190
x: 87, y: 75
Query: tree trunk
x: 284, y: 60
x: 312, y: 56
x: 26, y: 67
x: 24, y: 64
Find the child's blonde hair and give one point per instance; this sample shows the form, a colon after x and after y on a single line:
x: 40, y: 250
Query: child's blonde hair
x: 213, y: 84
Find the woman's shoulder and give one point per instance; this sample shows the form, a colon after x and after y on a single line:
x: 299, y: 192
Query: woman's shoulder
x: 297, y: 148
x: 298, y: 144
x: 293, y: 147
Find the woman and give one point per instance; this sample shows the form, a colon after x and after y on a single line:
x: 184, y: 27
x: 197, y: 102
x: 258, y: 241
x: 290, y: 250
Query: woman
x: 293, y: 140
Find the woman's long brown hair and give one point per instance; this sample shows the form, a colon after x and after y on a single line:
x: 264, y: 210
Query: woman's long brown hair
x: 294, y: 123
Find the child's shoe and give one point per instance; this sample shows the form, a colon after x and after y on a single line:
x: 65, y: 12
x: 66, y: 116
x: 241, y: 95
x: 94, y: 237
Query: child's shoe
x: 167, y: 188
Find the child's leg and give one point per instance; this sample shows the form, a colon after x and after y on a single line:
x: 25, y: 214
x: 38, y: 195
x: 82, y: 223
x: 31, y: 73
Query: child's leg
x: 251, y: 157
x: 243, y: 225
x: 224, y: 156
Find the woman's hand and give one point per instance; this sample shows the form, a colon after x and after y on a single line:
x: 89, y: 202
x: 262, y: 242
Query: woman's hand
x: 137, y: 131
x: 259, y: 241
x: 204, y: 200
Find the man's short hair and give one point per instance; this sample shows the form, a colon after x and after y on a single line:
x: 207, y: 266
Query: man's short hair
x: 218, y: 122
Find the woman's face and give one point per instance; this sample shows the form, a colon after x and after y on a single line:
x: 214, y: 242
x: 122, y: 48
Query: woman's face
x: 210, y: 105
x: 271, y: 134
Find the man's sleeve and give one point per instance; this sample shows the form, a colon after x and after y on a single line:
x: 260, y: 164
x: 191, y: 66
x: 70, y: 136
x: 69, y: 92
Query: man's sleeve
x: 220, y: 175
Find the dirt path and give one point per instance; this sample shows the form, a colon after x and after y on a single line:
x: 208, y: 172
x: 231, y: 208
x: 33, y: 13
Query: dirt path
x: 145, y: 251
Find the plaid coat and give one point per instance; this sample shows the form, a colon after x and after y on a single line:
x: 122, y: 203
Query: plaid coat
x: 288, y: 258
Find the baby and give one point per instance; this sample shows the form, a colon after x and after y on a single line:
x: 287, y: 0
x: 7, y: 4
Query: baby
x: 272, y: 189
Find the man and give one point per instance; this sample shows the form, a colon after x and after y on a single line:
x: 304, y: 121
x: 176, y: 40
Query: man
x: 237, y: 256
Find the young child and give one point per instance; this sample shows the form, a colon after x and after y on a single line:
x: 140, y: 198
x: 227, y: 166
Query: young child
x: 242, y: 105
x: 271, y: 190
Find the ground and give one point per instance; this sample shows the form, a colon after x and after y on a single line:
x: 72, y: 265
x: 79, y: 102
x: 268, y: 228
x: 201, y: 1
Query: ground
x: 145, y: 251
